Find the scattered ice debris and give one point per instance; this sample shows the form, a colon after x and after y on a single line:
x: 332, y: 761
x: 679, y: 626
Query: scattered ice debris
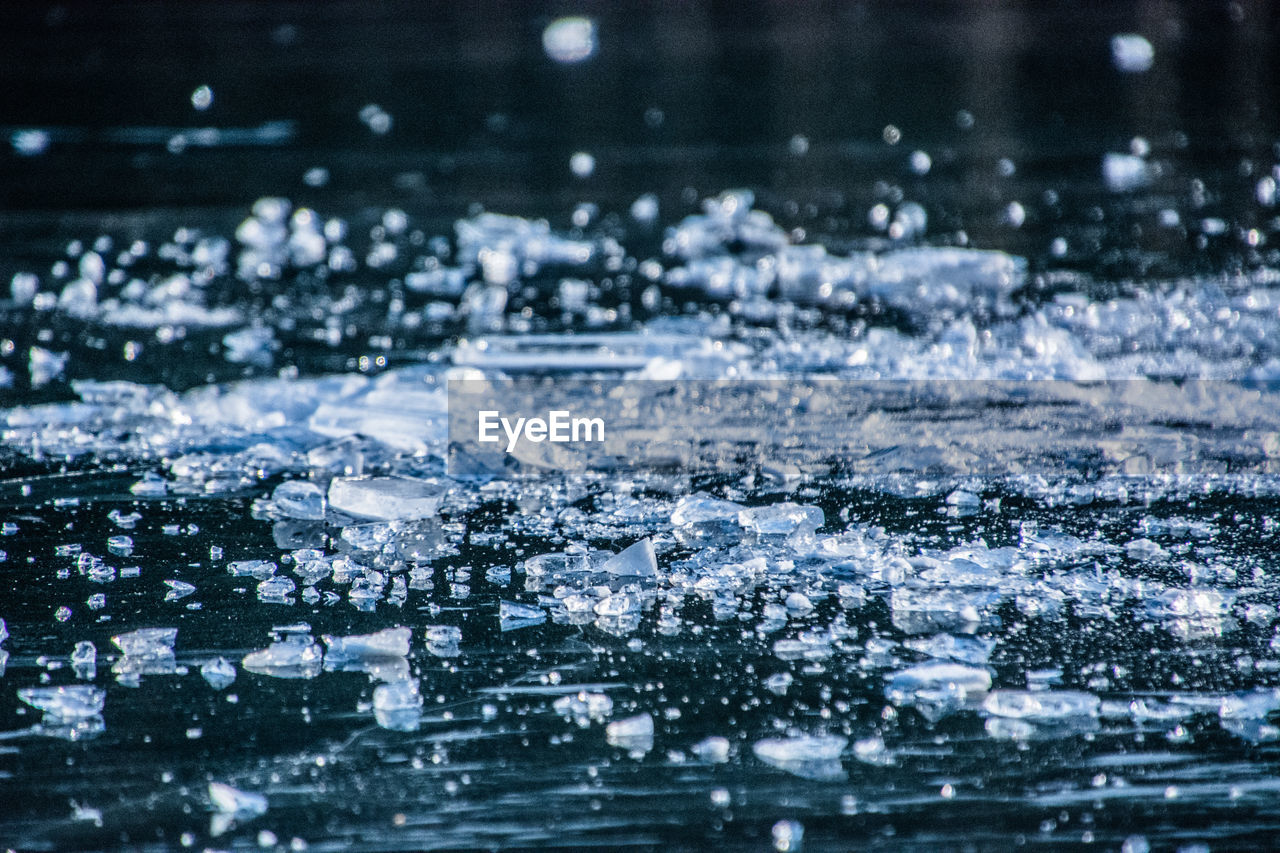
x: 389, y: 642
x: 570, y: 40
x: 65, y: 704
x: 634, y: 734
x: 398, y: 706
x: 1132, y: 53
x: 178, y: 589
x: 384, y: 497
x: 513, y: 615
x: 219, y: 672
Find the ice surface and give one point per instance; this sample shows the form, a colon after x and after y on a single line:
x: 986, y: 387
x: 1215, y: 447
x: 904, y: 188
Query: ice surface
x: 65, y: 704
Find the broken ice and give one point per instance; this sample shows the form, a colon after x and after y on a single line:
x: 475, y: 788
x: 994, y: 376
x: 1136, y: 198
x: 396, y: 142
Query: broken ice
x: 384, y: 498
x: 389, y: 642
x: 65, y: 704
x: 398, y: 706
x: 634, y: 734
x: 147, y: 642
x: 513, y: 615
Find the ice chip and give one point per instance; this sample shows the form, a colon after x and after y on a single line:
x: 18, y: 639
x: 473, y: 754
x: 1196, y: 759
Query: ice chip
x: 782, y: 519
x: 1125, y: 172
x: 389, y: 642
x: 385, y: 498
x: 299, y: 499
x: 1132, y: 53
x: 936, y: 687
x: 570, y: 40
x: 147, y: 642
x: 714, y: 749
x: 698, y: 508
x: 1041, y: 705
x: 66, y: 703
x: 398, y: 706
x: 638, y: 560
x: 634, y: 734
x: 296, y: 657
x: 584, y: 708
x: 220, y: 673
x: 257, y: 569
x: 240, y: 804
x: 806, y: 756
x: 512, y: 615
x: 178, y: 589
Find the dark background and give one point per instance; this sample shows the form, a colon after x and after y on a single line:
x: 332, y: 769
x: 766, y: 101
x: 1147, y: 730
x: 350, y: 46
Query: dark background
x: 480, y: 113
